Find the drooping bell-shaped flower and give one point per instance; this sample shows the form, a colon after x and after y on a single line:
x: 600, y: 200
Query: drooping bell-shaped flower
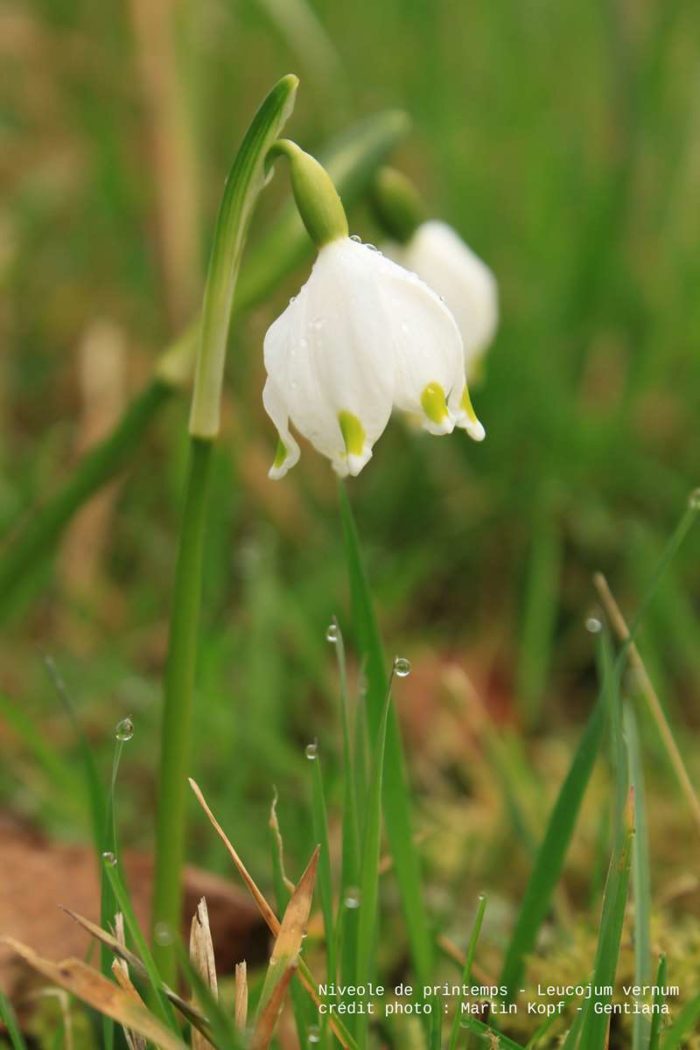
x: 439, y: 256
x: 362, y: 337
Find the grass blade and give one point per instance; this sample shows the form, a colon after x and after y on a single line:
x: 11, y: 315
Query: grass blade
x: 594, y: 1028
x: 656, y: 710
x: 285, y: 955
x: 7, y: 1014
x: 367, y: 925
x: 31, y: 545
x: 325, y: 879
x: 549, y: 862
x: 59, y: 774
x: 641, y: 877
x: 539, y: 613
x: 468, y: 963
x: 684, y: 1025
x: 496, y: 1039
x: 655, y: 1029
x: 159, y: 1001
x: 396, y: 798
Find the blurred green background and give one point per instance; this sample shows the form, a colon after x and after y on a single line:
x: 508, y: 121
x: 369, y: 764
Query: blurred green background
x: 561, y: 140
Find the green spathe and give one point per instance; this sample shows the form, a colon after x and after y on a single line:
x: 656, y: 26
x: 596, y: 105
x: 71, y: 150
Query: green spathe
x: 316, y: 197
x: 243, y: 186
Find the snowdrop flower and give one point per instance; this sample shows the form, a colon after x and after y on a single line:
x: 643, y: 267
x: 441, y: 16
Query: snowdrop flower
x: 440, y: 257
x: 362, y: 337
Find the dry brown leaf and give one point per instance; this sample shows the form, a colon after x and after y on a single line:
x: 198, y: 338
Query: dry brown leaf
x: 296, y: 916
x: 97, y: 991
x: 39, y: 875
x: 128, y: 958
x: 202, y: 959
x: 241, y: 996
x: 121, y: 975
x: 266, y: 911
x: 285, y: 956
x: 267, y: 1020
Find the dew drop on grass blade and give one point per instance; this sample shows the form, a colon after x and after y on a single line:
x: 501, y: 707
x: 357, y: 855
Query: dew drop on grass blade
x: 396, y: 797
x: 325, y: 881
x: 367, y: 933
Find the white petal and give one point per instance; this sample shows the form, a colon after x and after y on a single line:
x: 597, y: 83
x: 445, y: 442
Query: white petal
x: 329, y: 354
x: 273, y: 401
x: 438, y: 255
x: 427, y: 347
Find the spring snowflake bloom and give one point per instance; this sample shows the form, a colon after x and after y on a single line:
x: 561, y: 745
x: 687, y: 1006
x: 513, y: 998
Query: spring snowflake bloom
x: 362, y: 337
x: 441, y: 258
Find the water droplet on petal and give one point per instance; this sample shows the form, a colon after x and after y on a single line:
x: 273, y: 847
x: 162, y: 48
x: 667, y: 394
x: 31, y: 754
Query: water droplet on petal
x: 356, y: 238
x: 332, y: 633
x: 162, y: 934
x: 292, y: 300
x: 402, y: 667
x: 124, y: 730
x: 352, y: 898
x: 372, y: 247
x: 311, y: 751
x: 694, y: 499
x: 109, y: 858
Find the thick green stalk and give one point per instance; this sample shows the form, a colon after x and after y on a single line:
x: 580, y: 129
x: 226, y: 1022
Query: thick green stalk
x: 177, y: 713
x: 243, y: 187
x: 40, y: 535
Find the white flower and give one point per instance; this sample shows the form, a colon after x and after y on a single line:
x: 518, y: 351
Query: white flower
x: 362, y: 337
x: 441, y: 258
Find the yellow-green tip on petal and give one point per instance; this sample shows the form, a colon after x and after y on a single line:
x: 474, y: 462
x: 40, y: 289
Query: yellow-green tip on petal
x: 280, y: 466
x: 434, y: 404
x: 355, y: 439
x: 353, y: 433
x: 468, y: 418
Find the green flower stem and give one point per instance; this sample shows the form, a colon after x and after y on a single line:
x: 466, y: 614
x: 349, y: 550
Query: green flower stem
x: 177, y: 714
x: 101, y: 464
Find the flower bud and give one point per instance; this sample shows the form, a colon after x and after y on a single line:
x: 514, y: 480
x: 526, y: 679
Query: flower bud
x: 397, y: 205
x: 316, y: 197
